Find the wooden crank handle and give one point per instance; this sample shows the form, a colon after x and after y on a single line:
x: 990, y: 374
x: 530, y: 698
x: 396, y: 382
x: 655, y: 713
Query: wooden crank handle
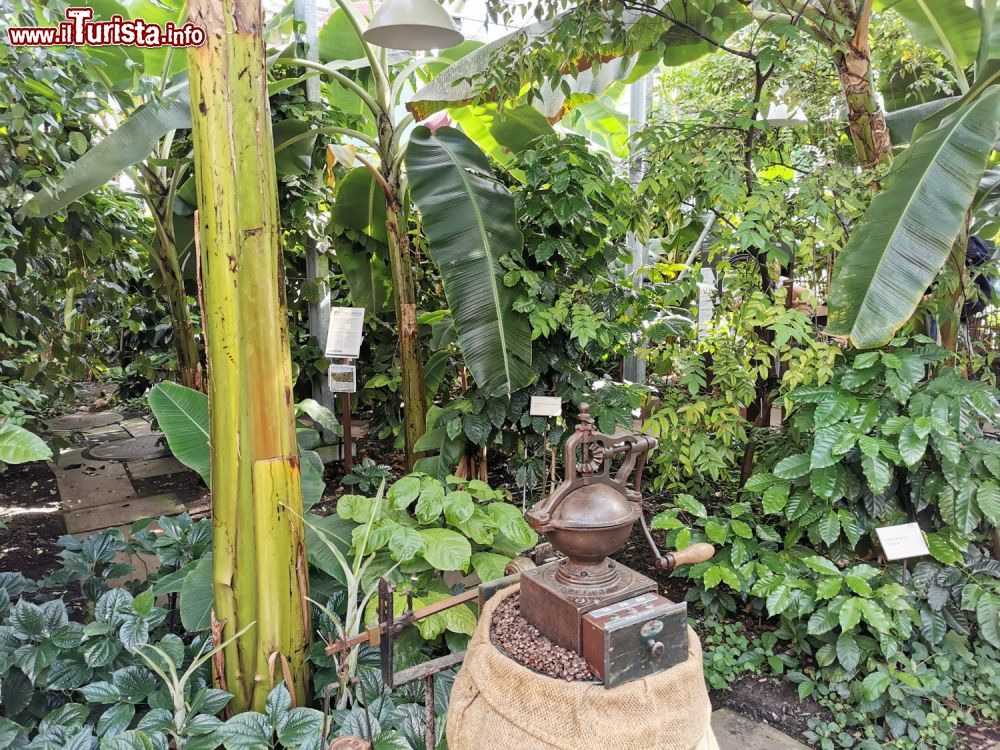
x: 518, y: 565
x: 696, y: 553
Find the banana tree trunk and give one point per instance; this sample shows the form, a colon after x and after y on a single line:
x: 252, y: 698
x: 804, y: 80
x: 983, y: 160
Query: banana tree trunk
x: 185, y: 343
x: 259, y: 561
x: 866, y: 120
x: 949, y: 321
x: 404, y: 286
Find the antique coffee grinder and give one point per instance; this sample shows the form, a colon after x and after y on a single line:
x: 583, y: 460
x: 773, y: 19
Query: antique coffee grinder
x: 587, y: 602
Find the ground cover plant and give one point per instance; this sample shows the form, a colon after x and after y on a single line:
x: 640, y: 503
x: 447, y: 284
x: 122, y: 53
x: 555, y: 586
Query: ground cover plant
x: 815, y: 356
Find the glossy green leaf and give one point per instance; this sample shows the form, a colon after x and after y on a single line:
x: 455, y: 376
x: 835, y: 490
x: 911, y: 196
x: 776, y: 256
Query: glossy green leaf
x: 489, y: 566
x: 19, y: 446
x: 469, y: 219
x: 874, y: 685
x: 850, y: 613
x: 446, y: 549
x: 792, y: 467
x: 988, y: 500
x: 911, y: 446
x: 848, y: 650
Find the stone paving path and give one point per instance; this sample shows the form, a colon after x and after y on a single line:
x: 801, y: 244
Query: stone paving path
x: 97, y: 491
x: 736, y: 732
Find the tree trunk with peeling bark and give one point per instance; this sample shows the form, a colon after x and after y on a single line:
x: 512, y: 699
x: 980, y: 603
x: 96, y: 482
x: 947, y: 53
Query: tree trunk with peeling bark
x: 259, y: 558
x: 866, y: 120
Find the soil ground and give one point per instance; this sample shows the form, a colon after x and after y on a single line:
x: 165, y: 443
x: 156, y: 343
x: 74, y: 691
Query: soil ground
x: 29, y: 505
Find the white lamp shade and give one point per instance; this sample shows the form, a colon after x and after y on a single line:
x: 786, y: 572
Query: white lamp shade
x: 412, y: 25
x: 780, y: 115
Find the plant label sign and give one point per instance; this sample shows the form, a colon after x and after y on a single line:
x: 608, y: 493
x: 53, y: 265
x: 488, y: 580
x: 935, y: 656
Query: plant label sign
x: 903, y: 541
x: 706, y: 306
x: 346, y: 332
x: 342, y: 379
x: 545, y: 406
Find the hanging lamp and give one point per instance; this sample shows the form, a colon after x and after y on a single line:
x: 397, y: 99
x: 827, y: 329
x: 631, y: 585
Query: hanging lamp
x: 412, y: 25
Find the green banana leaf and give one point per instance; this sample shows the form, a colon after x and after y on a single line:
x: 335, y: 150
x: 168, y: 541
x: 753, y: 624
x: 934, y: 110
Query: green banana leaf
x: 987, y: 79
x: 469, y: 219
x: 367, y: 273
x: 295, y: 158
x: 948, y: 25
x: 160, y: 60
x: 902, y: 89
x: 117, y: 66
x: 684, y: 44
x: 338, y: 40
x: 989, y: 43
x: 196, y: 597
x: 588, y: 85
x: 514, y: 128
x: 908, y: 231
x: 460, y: 83
x: 501, y: 137
x: 182, y: 414
x: 648, y: 39
x: 129, y: 143
x: 600, y: 122
x: 360, y: 204
x: 903, y: 122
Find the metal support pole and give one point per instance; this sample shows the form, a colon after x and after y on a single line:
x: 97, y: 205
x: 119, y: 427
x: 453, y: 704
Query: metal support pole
x: 345, y: 423
x: 317, y: 261
x: 634, y: 369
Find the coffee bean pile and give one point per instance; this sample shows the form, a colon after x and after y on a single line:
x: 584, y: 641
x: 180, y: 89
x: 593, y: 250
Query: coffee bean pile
x: 522, y: 642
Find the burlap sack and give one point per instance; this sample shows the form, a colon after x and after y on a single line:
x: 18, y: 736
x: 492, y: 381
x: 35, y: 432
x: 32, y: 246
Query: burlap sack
x: 497, y: 704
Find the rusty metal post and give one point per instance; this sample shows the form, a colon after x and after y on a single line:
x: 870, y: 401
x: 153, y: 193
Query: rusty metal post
x: 430, y: 735
x: 386, y: 613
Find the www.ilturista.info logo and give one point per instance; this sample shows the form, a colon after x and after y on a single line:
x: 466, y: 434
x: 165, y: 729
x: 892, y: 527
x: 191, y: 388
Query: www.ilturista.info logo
x: 79, y: 30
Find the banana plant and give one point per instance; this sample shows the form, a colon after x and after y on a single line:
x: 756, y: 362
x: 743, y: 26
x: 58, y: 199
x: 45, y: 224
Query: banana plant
x: 372, y: 198
x: 471, y: 224
x: 258, y: 543
x: 920, y: 221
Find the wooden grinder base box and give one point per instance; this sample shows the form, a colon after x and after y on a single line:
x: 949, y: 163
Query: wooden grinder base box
x: 635, y: 638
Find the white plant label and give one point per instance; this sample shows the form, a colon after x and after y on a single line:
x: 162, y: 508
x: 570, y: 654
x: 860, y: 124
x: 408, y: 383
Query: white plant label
x: 346, y: 332
x: 545, y: 406
x: 706, y: 306
x: 900, y: 542
x: 342, y: 379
